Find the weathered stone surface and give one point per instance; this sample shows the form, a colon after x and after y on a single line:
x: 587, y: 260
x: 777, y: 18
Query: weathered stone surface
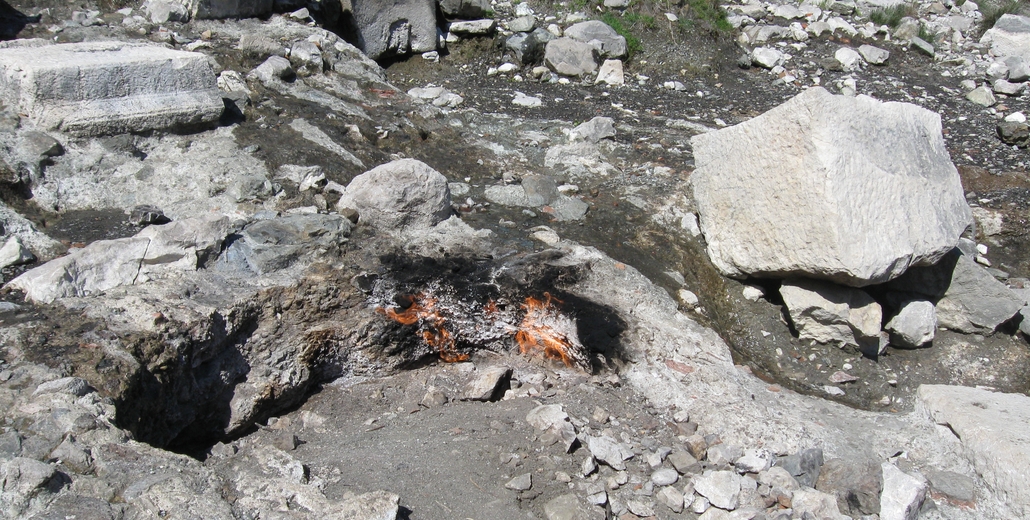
x: 405, y: 194
x: 66, y: 385
x: 816, y: 504
x: 569, y: 57
x: 672, y: 498
x: 568, y: 507
x: 975, y: 301
x: 766, y: 57
x: 464, y: 9
x: 608, y: 43
x: 522, y: 482
x: 529, y: 47
x: 274, y: 244
x: 594, y: 130
x: 1014, y: 133
x: 1010, y: 36
x: 164, y: 11
x: 611, y: 73
x: 832, y: 314
x: 473, y: 27
x: 914, y: 325
x: 829, y: 187
x: 856, y: 484
x: 665, y: 477
x: 721, y: 488
x: 902, y: 496
x: 14, y: 252
x: 804, y: 466
x: 68, y: 87
x: 389, y: 28
x: 609, y: 451
x: 992, y: 429
x: 982, y: 96
x: 874, y: 55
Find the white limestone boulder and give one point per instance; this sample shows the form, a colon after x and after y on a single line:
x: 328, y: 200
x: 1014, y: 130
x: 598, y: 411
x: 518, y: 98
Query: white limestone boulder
x: 848, y: 189
x: 401, y: 195
x: 992, y: 428
x: 96, y: 88
x: 832, y: 314
x: 1010, y: 36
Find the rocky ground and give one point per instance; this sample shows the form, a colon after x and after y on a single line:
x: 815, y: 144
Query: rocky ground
x: 239, y: 361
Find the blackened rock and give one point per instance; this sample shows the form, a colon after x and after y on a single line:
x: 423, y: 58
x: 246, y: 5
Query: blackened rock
x: 1014, y: 133
x: 803, y: 466
x: 145, y: 215
x: 529, y: 47
x: 857, y: 486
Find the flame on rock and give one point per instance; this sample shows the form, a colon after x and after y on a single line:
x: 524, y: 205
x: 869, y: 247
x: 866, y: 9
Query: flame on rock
x: 546, y: 331
x: 423, y: 312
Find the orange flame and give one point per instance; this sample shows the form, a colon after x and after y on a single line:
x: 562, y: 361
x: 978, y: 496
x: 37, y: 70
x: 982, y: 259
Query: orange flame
x: 536, y: 332
x: 423, y: 311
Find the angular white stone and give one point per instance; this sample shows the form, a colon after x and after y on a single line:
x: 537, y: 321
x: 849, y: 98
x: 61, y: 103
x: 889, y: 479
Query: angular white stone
x: 849, y: 58
x: 721, y: 488
x: 611, y: 73
x: 902, y: 496
x: 832, y: 314
x: 852, y: 190
x: 874, y: 55
x: 914, y: 325
x: 96, y: 88
x: 1010, y: 36
x: 405, y: 194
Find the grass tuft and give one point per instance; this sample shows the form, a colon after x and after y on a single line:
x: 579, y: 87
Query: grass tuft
x: 993, y: 10
x: 891, y: 16
x: 633, y: 44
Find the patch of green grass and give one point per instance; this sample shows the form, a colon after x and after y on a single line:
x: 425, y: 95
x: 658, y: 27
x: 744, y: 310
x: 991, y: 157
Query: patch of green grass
x: 633, y: 44
x: 637, y: 19
x: 708, y: 14
x: 926, y: 35
x: 993, y: 10
x: 890, y: 16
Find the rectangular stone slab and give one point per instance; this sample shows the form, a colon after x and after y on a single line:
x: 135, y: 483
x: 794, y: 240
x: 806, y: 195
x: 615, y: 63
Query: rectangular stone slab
x: 96, y: 88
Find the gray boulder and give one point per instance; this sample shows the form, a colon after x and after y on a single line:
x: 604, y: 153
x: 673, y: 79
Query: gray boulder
x: 594, y: 130
x: 992, y: 428
x: 164, y: 11
x: 528, y: 47
x: 464, y: 9
x: 569, y: 57
x: 848, y: 189
x: 1010, y: 36
x: 903, y: 494
x: 831, y: 314
x: 401, y: 195
x: 388, y: 28
x: 609, y: 43
x: 67, y: 87
x: 14, y: 252
x: 914, y: 325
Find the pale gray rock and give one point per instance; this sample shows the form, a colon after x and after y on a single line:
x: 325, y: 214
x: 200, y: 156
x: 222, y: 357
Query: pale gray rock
x: 832, y: 314
x: 568, y: 507
x: 551, y: 419
x: 66, y: 87
x: 316, y: 135
x: 594, y: 130
x: 529, y: 47
x: 819, y: 505
x: 522, y: 100
x: 671, y: 497
x: 569, y: 57
x: 608, y: 450
x: 874, y: 55
x: 487, y: 384
x: 956, y: 486
x: 766, y: 57
x: 975, y: 302
x: 754, y: 461
x: 868, y: 198
x: 164, y: 11
x: 849, y: 58
x: 1019, y: 69
x: 464, y: 9
x: 777, y: 477
x: 857, y: 484
x: 763, y: 33
x: 275, y: 68
x: 640, y: 507
x: 523, y: 24
x: 14, y: 252
x: 611, y: 73
x: 804, y: 466
x: 923, y: 46
x: 1010, y: 36
x: 997, y: 70
x: 665, y: 477
x: 473, y: 27
x: 395, y: 28
x: 723, y: 454
x: 721, y: 488
x: 600, y: 35
x: 903, y: 494
x: 66, y: 385
x: 306, y: 57
x: 401, y: 195
x: 523, y: 482
x: 275, y: 244
x: 540, y: 190
x: 914, y: 325
x: 992, y: 428
x: 1008, y: 88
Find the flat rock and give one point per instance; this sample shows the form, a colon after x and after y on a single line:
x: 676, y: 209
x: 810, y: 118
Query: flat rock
x: 830, y: 187
x: 522, y: 482
x: 849, y: 58
x: 815, y: 504
x: 66, y: 87
x: 609, y: 451
x: 902, y: 496
x: 982, y: 96
x: 766, y: 57
x: 671, y: 498
x: 832, y: 314
x: 874, y: 55
x: 473, y: 27
x: 405, y: 194
x: 570, y: 57
x: 66, y: 385
x: 975, y: 301
x: 14, y: 252
x: 721, y: 488
x: 992, y: 428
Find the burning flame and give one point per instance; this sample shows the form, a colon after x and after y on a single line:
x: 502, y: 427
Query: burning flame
x: 540, y: 331
x: 423, y: 311
x: 543, y: 330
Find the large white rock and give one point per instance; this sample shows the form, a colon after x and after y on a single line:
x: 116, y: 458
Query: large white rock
x: 721, y: 488
x: 94, y: 88
x: 395, y: 27
x: 848, y: 189
x: 975, y: 301
x: 914, y: 324
x: 831, y: 314
x: 1010, y: 36
x: 401, y: 195
x: 992, y: 428
x: 609, y: 43
x: 569, y: 57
